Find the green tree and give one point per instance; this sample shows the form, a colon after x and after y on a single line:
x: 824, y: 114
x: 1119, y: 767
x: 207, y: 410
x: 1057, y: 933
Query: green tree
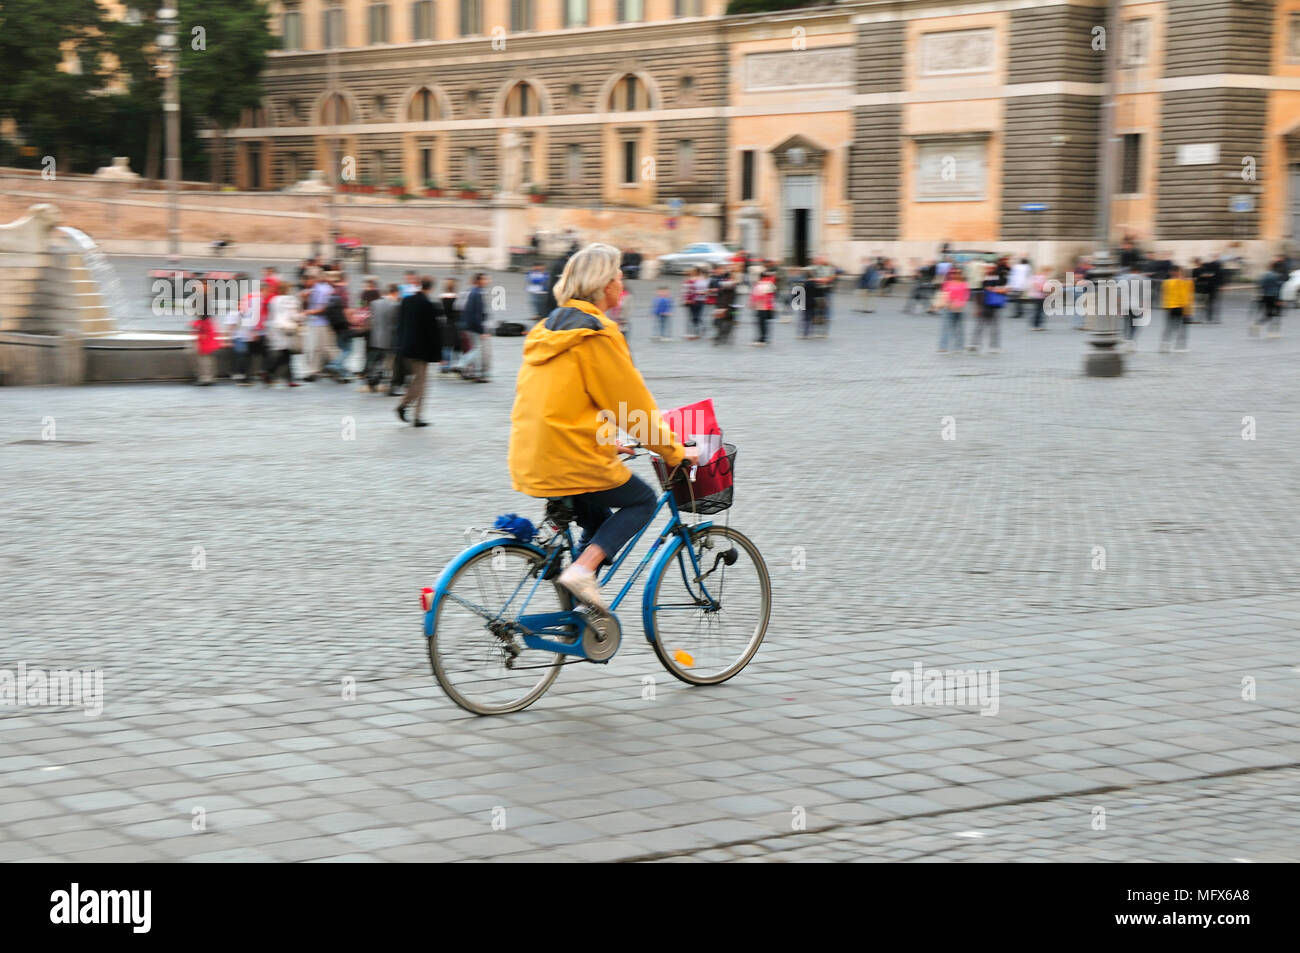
x: 223, y: 50
x: 767, y: 6
x: 56, y: 110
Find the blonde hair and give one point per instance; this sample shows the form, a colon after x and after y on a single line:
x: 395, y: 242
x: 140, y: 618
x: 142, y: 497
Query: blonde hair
x: 587, y: 273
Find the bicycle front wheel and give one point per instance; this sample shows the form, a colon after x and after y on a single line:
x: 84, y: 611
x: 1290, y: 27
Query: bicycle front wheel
x: 706, y: 629
x: 483, y: 667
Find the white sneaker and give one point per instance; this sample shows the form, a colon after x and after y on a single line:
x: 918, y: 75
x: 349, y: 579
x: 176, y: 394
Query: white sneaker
x: 995, y: 350
x: 584, y: 587
x: 1180, y: 350
x: 1275, y: 334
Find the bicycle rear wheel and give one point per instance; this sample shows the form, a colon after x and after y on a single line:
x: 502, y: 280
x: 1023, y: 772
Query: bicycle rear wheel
x: 705, y: 632
x: 482, y: 667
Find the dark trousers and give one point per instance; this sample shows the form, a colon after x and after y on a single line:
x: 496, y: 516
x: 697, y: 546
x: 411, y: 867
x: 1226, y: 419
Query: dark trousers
x: 1038, y: 312
x: 1130, y: 329
x: 921, y: 291
x: 1175, y: 327
x: 695, y: 310
x: 988, y: 321
x: 1270, y: 310
x: 376, y: 359
x: 1210, y: 305
x: 401, y: 368
x: 635, y: 503
x: 764, y: 318
x: 725, y: 321
x: 244, y: 357
x: 276, y: 360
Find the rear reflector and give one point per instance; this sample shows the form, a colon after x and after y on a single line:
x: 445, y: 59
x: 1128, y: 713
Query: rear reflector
x: 426, y: 599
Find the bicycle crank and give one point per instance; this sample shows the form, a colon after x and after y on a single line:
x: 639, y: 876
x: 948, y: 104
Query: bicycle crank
x: 601, y: 634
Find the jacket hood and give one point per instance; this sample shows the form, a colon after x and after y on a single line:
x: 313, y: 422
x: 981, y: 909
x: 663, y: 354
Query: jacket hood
x: 564, y: 328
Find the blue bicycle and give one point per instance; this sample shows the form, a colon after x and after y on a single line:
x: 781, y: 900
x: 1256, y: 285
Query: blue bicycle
x: 500, y: 628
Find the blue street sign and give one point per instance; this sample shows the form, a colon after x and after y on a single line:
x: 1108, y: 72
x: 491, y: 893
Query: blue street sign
x: 675, y: 205
x: 1034, y: 207
x: 1242, y: 203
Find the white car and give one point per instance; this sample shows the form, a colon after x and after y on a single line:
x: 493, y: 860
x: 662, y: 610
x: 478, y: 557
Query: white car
x: 700, y: 254
x: 1291, y: 288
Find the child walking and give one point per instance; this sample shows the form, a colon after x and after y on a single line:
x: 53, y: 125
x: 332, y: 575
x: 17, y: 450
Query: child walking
x: 662, y: 308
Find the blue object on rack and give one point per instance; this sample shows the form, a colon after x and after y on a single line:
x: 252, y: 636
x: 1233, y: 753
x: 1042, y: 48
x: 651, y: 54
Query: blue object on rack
x: 518, y: 527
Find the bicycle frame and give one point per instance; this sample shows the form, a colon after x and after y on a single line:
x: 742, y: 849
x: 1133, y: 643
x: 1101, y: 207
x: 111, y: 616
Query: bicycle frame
x: 543, y: 630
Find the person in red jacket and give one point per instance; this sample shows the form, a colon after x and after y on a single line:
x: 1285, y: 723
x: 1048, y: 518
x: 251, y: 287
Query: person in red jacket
x: 207, y: 343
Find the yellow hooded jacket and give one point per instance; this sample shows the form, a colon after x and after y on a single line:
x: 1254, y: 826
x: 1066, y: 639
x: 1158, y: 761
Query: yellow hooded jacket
x: 576, y: 365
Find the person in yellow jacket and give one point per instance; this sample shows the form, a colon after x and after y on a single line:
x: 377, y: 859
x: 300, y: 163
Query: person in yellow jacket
x: 1176, y: 297
x: 577, y: 375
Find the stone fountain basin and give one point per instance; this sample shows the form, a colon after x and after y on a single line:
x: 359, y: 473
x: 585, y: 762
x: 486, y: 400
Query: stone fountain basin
x: 141, y: 356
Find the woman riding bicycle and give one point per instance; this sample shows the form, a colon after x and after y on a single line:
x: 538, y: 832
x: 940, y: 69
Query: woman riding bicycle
x: 577, y: 373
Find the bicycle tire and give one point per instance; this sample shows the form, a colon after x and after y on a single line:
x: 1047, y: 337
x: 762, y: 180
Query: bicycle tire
x: 668, y: 645
x: 443, y: 623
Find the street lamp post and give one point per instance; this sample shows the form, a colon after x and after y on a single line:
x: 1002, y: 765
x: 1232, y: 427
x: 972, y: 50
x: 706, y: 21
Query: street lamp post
x: 169, y: 20
x: 1104, y: 358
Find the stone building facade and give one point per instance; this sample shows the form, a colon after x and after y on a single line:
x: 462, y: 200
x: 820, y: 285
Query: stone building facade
x: 857, y: 128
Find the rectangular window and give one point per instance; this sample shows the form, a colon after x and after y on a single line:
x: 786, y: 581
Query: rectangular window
x: 471, y: 17
x: 291, y: 31
x: 631, y: 11
x: 686, y: 8
x: 848, y: 165
x: 521, y: 16
x: 255, y: 166
x: 685, y: 158
x: 291, y: 168
x: 334, y: 32
x: 1131, y: 164
x: 575, y: 13
x: 747, y: 175
x: 573, y: 164
x: 422, y: 20
x: 629, y: 162
x: 378, y: 23
x: 472, y: 164
x: 426, y: 165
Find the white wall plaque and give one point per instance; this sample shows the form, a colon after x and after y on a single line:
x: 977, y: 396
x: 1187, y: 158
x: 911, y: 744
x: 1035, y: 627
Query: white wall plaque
x: 1198, y: 153
x: 957, y: 51
x: 950, y: 171
x: 827, y: 66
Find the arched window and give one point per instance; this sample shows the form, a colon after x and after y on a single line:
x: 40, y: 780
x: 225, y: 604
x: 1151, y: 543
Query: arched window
x: 628, y: 95
x: 334, y: 111
x: 424, y: 106
x: 522, y: 100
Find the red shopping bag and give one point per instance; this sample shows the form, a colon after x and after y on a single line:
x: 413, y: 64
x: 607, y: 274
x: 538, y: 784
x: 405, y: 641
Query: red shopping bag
x: 697, y: 422
x: 706, y: 488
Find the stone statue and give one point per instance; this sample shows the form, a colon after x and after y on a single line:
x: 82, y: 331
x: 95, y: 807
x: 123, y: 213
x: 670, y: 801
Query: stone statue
x: 31, y: 233
x: 512, y: 166
x: 119, y: 171
x: 314, y: 184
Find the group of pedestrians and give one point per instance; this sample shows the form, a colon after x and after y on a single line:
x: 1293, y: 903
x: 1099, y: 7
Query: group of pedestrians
x: 987, y: 287
x: 406, y: 327
x: 725, y: 291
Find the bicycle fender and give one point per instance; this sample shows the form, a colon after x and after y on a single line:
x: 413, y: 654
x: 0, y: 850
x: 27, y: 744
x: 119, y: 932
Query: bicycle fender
x: 652, y: 580
x: 453, y: 567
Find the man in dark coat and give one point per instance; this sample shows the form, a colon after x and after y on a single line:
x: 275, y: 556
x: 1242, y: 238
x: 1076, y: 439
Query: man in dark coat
x: 419, y: 335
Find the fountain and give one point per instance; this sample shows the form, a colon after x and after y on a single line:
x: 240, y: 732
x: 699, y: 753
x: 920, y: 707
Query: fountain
x: 64, y: 318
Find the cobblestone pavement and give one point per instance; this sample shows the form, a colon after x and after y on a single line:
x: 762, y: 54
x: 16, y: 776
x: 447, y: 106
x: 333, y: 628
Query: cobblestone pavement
x: 1164, y: 687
